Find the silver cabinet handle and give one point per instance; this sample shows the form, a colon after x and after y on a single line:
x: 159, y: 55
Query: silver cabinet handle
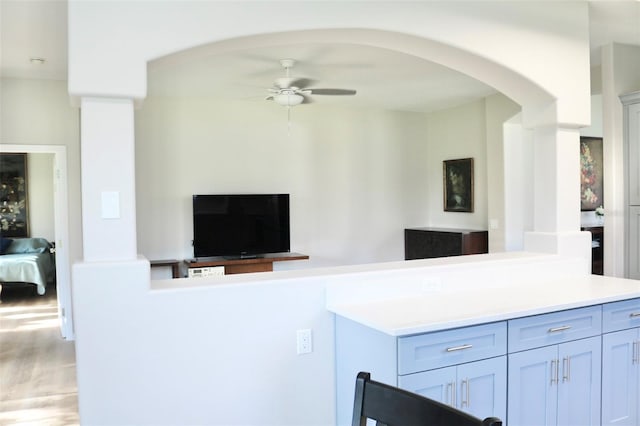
x: 634, y: 315
x: 561, y: 328
x: 459, y: 348
x: 451, y: 393
x: 566, y: 369
x: 468, y: 393
x: 636, y: 353
x: 464, y: 386
x: 554, y: 371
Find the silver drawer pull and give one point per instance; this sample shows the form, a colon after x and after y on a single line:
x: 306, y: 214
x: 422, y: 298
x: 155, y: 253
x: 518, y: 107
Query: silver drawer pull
x: 562, y: 328
x: 459, y: 348
x: 634, y: 315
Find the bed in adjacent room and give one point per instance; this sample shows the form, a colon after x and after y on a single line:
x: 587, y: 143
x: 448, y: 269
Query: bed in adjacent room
x: 27, y: 260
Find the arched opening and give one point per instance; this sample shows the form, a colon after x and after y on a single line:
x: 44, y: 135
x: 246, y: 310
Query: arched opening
x: 377, y: 165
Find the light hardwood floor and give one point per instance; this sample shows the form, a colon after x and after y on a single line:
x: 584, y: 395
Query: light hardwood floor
x: 37, y: 367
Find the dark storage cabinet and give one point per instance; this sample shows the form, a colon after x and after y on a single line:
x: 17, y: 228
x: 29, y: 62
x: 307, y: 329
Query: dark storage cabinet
x: 425, y: 243
x: 597, y: 248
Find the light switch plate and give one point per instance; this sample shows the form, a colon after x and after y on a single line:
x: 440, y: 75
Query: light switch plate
x: 110, y: 205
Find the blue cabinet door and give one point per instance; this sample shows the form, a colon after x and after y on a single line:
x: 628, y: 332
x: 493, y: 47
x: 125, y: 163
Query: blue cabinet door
x: 439, y: 384
x: 621, y: 378
x: 579, y: 382
x: 479, y: 388
x: 533, y: 390
x: 482, y: 388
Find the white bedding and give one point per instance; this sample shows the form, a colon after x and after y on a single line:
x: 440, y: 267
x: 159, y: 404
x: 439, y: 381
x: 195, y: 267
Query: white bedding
x: 27, y: 267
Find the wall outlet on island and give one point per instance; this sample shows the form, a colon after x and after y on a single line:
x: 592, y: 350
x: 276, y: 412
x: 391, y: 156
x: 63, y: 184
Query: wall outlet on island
x: 304, y: 341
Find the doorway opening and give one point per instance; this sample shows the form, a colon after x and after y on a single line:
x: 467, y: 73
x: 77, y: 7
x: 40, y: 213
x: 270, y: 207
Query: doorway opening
x: 61, y: 228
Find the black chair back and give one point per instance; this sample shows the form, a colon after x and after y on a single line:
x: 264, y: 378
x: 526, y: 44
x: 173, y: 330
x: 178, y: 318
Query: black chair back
x: 391, y: 406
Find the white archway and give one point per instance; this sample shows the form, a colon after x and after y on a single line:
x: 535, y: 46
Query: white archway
x: 522, y: 90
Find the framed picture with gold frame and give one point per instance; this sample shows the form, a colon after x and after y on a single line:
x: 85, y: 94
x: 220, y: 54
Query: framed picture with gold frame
x: 458, y: 185
x: 14, y: 206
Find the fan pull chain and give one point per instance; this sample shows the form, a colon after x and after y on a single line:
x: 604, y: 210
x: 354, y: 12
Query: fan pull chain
x: 288, y: 120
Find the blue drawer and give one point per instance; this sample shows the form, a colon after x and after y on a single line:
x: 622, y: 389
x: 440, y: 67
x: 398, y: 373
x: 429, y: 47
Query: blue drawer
x: 556, y: 327
x: 620, y: 315
x: 439, y: 349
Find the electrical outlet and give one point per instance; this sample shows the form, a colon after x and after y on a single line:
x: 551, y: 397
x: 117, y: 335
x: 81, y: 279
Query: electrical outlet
x: 304, y: 341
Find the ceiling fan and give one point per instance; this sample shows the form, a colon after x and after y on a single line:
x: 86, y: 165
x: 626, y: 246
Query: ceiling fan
x: 291, y: 91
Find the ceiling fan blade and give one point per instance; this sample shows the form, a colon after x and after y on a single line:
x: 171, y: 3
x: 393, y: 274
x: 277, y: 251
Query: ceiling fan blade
x: 269, y: 98
x: 307, y: 99
x: 286, y: 82
x: 333, y: 92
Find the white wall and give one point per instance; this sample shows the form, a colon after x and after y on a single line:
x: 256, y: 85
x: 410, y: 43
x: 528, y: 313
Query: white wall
x: 499, y: 110
x: 357, y: 177
x: 222, y: 351
x: 490, y: 48
x: 40, y: 195
x: 136, y: 347
x: 519, y: 181
x: 38, y: 112
x: 452, y: 134
x: 620, y: 75
x: 595, y: 129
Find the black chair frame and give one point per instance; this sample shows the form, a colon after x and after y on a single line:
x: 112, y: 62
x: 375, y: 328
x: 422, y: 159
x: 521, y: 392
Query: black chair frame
x: 392, y: 406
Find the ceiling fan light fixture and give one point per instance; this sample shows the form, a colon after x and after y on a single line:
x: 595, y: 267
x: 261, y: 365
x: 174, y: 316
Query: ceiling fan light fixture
x: 288, y: 99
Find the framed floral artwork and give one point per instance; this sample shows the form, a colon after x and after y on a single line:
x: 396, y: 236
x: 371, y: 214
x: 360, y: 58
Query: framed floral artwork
x: 14, y: 218
x: 591, y: 171
x: 458, y: 185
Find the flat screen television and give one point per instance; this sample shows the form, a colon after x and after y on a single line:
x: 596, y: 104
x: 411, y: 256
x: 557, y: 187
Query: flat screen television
x: 240, y: 225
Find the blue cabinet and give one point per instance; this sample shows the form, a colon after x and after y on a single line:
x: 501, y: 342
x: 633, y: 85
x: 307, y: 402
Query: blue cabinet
x: 554, y: 368
x: 464, y: 367
x: 479, y: 388
x: 533, y: 393
x: 621, y: 378
x: 556, y: 385
x: 621, y: 364
x: 579, y: 382
x: 574, y: 367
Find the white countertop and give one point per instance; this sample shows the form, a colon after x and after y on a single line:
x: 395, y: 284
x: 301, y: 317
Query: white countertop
x: 470, y: 306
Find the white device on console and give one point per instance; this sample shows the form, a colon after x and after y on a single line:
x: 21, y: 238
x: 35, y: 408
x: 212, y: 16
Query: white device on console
x: 207, y: 271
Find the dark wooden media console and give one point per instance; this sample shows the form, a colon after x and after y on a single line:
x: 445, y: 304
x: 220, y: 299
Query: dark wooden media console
x: 425, y: 243
x: 263, y: 263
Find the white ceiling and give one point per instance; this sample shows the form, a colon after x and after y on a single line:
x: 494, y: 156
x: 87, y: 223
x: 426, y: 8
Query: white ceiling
x: 383, y: 78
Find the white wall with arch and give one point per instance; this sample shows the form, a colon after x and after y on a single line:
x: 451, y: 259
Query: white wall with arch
x: 205, y: 333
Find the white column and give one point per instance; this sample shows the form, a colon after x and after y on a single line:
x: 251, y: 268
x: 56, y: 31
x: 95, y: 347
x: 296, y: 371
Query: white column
x: 108, y: 179
x: 556, y: 191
